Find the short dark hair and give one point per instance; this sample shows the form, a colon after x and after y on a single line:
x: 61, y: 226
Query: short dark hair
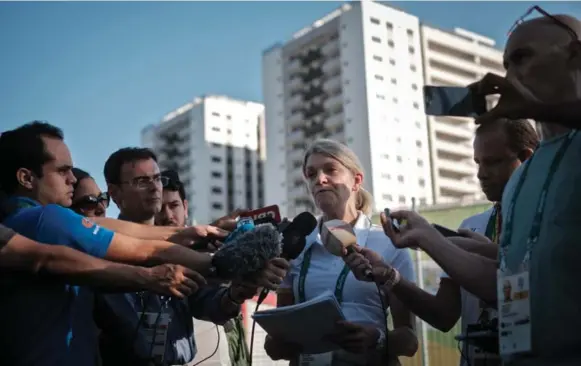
x: 112, y: 170
x: 80, y: 174
x: 520, y: 133
x: 173, y: 183
x: 23, y: 147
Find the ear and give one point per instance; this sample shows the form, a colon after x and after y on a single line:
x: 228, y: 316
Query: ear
x: 25, y: 178
x: 575, y: 53
x: 358, y: 181
x: 186, y: 208
x: 113, y: 190
x: 525, y: 154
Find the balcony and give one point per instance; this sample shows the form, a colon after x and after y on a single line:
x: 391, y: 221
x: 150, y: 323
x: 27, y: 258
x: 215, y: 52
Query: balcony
x: 457, y: 132
x: 333, y: 102
x: 457, y: 62
x: 295, y: 137
x: 295, y: 84
x: 334, y: 121
x: 332, y: 66
x: 331, y: 47
x: 450, y: 77
x: 333, y: 85
x: 457, y: 187
x: 295, y: 101
x: 294, y: 66
x: 459, y: 168
x: 296, y: 119
x: 458, y: 149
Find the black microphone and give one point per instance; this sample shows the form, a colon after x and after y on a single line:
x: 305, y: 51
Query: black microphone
x: 247, y: 253
x: 294, y: 235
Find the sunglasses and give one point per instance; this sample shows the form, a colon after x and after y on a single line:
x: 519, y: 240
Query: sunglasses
x: 92, y: 200
x: 546, y: 14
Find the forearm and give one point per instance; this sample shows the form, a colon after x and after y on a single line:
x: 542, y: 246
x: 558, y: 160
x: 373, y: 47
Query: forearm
x: 475, y: 273
x: 228, y: 306
x: 72, y: 266
x: 137, y: 230
x: 423, y: 304
x: 402, y: 342
x: 487, y: 250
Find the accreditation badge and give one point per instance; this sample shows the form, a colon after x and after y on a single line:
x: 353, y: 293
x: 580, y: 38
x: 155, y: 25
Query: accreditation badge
x: 514, y: 313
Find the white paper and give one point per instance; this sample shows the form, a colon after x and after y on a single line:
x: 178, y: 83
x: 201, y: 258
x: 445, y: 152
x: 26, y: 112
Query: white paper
x: 305, y: 324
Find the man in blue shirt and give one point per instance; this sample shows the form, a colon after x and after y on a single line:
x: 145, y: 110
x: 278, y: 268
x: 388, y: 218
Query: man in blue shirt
x: 44, y: 321
x: 129, y: 322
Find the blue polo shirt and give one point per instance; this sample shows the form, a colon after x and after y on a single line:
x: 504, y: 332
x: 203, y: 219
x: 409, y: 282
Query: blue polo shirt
x: 43, y: 321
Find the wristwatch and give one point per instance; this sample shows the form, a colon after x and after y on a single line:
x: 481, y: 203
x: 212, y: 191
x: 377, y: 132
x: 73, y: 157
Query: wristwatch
x: 393, y: 278
x: 381, y: 341
x: 231, y: 298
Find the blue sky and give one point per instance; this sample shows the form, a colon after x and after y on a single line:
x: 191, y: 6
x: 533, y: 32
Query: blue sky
x: 104, y: 70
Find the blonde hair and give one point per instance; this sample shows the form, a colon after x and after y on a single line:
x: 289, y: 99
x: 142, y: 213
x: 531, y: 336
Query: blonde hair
x: 347, y: 158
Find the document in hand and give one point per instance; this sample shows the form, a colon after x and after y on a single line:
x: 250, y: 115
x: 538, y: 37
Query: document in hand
x: 305, y: 324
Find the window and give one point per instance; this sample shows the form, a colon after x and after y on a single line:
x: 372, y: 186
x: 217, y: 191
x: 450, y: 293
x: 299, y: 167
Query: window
x: 228, y: 117
x: 378, y: 77
x: 216, y: 175
x: 401, y: 199
x: 422, y: 182
x: 390, y: 43
x: 217, y: 129
x: 378, y: 58
x: 418, y: 143
x: 418, y: 124
x: 376, y: 39
x: 416, y: 105
x: 379, y: 96
x: 392, y: 61
x: 385, y: 156
x: 394, y: 81
x: 420, y: 162
x: 389, y: 25
x: 374, y: 20
x: 216, y: 190
x: 400, y: 178
x: 217, y: 206
x: 414, y: 86
x: 394, y: 100
x: 216, y: 159
x: 423, y: 202
x: 387, y: 197
x: 412, y: 50
x: 215, y: 114
x: 413, y: 68
x: 399, y: 159
x: 398, y: 139
x: 410, y: 32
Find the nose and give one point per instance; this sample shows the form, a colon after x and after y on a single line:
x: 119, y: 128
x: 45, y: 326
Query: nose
x: 482, y: 174
x: 100, y: 210
x: 320, y: 178
x: 71, y: 179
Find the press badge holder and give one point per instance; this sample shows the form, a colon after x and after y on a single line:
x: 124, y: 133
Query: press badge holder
x: 323, y: 359
x: 514, y: 313
x: 156, y: 325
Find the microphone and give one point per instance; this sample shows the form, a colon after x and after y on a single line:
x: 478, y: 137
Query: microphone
x: 247, y: 252
x: 294, y: 235
x: 337, y: 235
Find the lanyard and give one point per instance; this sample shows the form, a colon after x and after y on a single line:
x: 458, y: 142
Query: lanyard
x: 539, y: 211
x: 339, y: 285
x: 493, y: 228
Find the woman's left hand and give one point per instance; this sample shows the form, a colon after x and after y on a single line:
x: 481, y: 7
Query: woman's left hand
x: 355, y: 338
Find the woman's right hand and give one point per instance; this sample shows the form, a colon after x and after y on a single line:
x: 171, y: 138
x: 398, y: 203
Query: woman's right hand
x: 279, y: 350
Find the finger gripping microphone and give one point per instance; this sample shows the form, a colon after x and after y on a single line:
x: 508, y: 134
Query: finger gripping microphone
x: 247, y: 253
x: 294, y: 235
x: 337, y: 235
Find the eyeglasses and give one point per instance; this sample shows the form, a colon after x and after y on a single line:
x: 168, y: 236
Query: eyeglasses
x: 92, y: 200
x: 146, y: 181
x: 546, y: 14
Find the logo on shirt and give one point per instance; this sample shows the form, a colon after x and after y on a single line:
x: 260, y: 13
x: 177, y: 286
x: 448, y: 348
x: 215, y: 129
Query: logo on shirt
x: 87, y: 223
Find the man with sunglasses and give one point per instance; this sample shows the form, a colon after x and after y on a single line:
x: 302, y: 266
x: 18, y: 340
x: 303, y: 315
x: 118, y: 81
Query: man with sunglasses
x: 131, y: 322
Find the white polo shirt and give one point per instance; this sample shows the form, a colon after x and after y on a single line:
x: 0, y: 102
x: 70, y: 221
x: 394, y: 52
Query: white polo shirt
x: 361, y: 303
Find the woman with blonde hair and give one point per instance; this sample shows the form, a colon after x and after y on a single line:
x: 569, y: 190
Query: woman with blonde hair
x: 334, y: 177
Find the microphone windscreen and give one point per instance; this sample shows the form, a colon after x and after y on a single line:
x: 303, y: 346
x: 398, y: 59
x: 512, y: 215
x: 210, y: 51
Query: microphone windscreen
x: 337, y: 235
x: 294, y: 235
x: 247, y: 253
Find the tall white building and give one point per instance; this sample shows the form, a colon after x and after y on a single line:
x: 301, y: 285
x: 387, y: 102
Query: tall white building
x: 217, y: 145
x: 456, y: 58
x: 355, y: 75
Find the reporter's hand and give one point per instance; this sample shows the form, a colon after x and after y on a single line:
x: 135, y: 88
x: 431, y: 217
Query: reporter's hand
x: 228, y: 222
x: 279, y: 350
x: 174, y: 280
x: 364, y: 259
x: 466, y: 233
x: 240, y: 292
x: 515, y: 102
x: 354, y: 338
x: 271, y: 277
x: 414, y: 229
x: 190, y: 235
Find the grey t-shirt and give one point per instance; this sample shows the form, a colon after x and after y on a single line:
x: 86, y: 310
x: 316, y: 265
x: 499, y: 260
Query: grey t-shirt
x: 5, y: 235
x: 554, y: 266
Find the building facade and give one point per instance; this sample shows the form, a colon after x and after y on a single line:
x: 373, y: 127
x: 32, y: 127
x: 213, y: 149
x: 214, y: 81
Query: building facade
x: 456, y: 58
x: 216, y: 143
x: 356, y: 75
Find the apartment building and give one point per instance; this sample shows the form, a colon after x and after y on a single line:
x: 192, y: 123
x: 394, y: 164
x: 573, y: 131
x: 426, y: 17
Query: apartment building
x: 355, y: 75
x: 456, y: 58
x: 216, y: 143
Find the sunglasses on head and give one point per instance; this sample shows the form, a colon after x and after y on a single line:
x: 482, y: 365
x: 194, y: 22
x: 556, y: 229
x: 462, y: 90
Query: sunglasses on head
x: 92, y: 200
x: 545, y: 14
